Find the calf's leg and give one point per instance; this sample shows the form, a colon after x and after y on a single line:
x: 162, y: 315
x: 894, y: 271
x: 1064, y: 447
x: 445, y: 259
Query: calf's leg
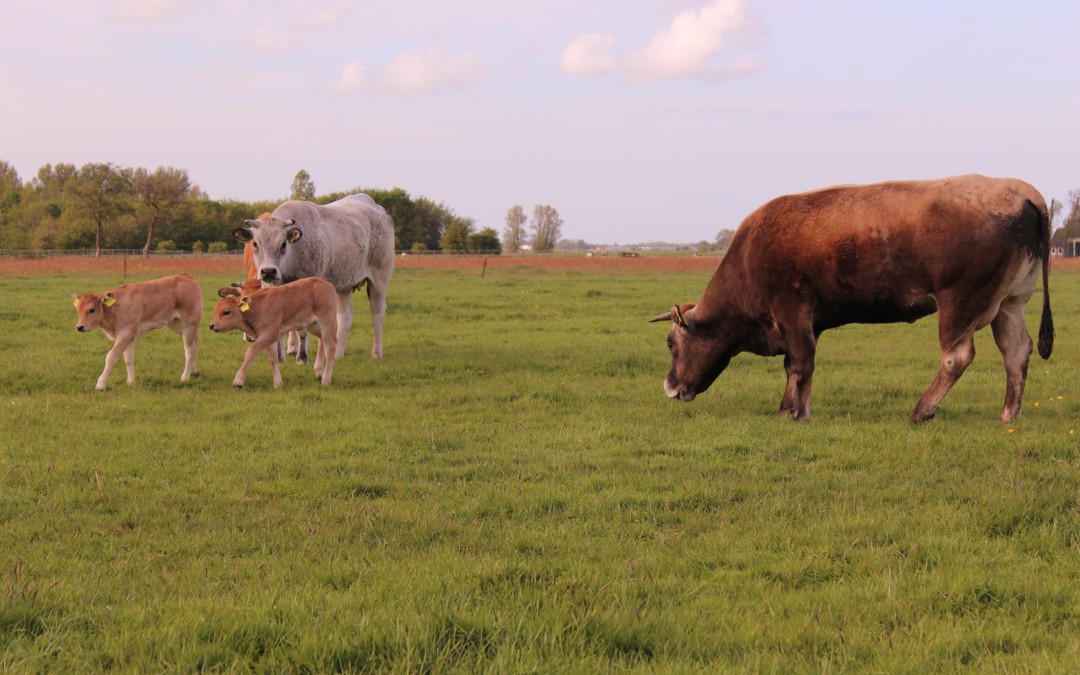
x: 191, y: 348
x: 261, y: 343
x: 120, y: 346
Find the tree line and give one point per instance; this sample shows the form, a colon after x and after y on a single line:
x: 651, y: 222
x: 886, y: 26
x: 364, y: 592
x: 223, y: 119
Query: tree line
x: 104, y: 205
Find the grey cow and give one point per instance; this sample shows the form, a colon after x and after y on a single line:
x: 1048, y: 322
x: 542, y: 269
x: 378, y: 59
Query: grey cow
x: 349, y: 242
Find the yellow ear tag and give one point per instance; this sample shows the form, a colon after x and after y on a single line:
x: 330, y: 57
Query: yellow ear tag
x: 109, y: 301
x: 76, y: 303
x: 244, y: 306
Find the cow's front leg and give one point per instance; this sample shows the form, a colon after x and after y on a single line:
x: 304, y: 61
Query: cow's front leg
x: 787, y: 403
x: 123, y: 342
x: 344, y: 320
x: 799, y: 363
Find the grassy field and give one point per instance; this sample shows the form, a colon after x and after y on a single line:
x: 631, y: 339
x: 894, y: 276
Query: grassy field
x: 510, y: 491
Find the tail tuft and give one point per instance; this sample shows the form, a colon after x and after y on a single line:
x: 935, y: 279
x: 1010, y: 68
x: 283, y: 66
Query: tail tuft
x: 1046, y: 332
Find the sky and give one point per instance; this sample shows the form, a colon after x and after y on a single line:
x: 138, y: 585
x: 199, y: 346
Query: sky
x: 638, y: 120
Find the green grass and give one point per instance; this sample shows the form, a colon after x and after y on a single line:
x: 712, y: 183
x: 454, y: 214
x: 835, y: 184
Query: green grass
x: 509, y: 490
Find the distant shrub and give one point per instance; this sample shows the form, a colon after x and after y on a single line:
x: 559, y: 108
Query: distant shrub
x: 419, y: 247
x: 198, y: 247
x: 217, y: 247
x: 165, y: 245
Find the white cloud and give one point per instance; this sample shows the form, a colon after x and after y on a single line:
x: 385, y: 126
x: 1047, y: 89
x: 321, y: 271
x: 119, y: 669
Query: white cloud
x: 430, y: 71
x: 687, y: 47
x: 354, y: 78
x: 267, y: 40
x: 697, y: 44
x: 414, y: 73
x: 588, y: 54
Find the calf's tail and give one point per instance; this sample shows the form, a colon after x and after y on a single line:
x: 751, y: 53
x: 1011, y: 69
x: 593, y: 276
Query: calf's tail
x: 1046, y: 325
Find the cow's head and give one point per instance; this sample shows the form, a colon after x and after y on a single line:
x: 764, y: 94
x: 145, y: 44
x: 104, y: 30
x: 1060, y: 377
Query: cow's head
x: 271, y: 240
x: 698, y: 353
x: 229, y: 313
x: 91, y: 308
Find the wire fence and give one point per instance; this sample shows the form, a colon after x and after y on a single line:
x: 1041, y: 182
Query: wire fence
x: 138, y: 253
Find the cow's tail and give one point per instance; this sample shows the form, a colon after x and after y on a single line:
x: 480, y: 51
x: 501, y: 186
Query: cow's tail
x: 1046, y: 325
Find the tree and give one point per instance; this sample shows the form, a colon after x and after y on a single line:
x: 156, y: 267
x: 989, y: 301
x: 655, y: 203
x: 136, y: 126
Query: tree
x: 546, y: 226
x: 302, y: 187
x: 10, y: 199
x: 50, y: 180
x: 723, y: 239
x: 486, y: 239
x: 456, y: 235
x: 514, y: 234
x: 101, y: 194
x: 159, y: 194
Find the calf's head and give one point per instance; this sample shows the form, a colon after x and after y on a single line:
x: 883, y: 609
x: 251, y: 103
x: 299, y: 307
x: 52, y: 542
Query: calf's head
x: 91, y: 308
x: 271, y: 240
x: 229, y: 313
x: 698, y: 353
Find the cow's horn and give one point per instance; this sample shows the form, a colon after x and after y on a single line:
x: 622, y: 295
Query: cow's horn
x: 666, y: 316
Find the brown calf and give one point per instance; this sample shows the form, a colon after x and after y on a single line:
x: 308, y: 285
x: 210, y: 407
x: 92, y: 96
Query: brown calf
x: 269, y: 313
x: 127, y: 312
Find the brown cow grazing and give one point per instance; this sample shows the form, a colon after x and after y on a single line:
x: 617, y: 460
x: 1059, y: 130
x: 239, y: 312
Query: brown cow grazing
x: 267, y: 314
x: 127, y: 312
x: 968, y: 247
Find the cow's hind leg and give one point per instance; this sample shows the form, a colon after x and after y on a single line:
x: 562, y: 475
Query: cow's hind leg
x: 344, y: 320
x: 377, y: 299
x: 1012, y: 338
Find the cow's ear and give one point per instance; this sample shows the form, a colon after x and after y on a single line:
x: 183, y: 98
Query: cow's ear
x: 242, y: 234
x: 677, y: 317
x: 294, y: 235
x: 686, y: 320
x: 109, y: 299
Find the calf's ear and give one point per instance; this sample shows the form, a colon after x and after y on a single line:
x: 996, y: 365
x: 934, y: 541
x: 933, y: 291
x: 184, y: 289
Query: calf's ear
x: 109, y: 299
x: 228, y: 291
x: 75, y: 300
x: 242, y: 234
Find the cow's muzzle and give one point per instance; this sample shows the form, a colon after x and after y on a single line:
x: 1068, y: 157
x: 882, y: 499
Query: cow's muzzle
x: 268, y: 274
x: 81, y: 328
x: 673, y: 392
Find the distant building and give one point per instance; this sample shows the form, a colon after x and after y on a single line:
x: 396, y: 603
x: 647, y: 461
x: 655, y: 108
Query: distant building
x: 1063, y: 246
